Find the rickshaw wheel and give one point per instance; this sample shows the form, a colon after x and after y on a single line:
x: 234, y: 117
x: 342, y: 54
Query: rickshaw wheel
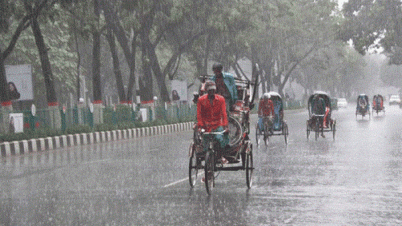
x: 266, y: 134
x: 333, y: 130
x: 266, y: 138
x: 193, y: 168
x: 249, y: 165
x: 308, y: 130
x: 209, y: 171
x: 257, y: 134
x: 285, y: 132
x: 317, y: 129
x: 236, y: 131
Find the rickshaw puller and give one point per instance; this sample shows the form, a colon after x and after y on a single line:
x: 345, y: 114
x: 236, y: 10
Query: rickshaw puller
x: 319, y: 107
x: 265, y: 109
x: 212, y: 116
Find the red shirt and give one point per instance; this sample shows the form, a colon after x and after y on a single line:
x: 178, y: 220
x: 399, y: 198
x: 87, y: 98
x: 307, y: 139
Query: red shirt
x: 266, y: 107
x: 212, y: 116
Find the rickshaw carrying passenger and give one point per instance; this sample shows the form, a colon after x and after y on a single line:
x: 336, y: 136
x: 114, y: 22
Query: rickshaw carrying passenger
x: 362, y: 103
x: 212, y: 115
x: 378, y: 102
x: 265, y: 109
x: 278, y: 111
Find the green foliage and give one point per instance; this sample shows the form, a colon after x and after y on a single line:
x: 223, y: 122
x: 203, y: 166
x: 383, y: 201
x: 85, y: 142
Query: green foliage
x: 189, y: 34
x: 373, y: 24
x: 14, y: 137
x: 31, y: 134
x: 105, y: 127
x: 75, y: 129
x: 123, y: 113
x: 126, y: 125
x: 62, y: 58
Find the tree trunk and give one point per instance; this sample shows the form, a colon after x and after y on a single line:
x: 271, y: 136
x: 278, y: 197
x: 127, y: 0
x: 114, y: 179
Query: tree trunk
x: 268, y: 76
x: 208, y: 43
x: 4, y: 97
x: 116, y: 66
x: 96, y: 77
x: 78, y: 63
x: 54, y: 112
x: 113, y: 22
x: 45, y: 63
x: 147, y: 82
x: 6, y: 106
x: 160, y: 79
x: 132, y: 90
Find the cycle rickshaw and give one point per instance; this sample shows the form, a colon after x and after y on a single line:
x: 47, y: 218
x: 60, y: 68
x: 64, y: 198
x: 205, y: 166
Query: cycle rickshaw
x: 320, y: 109
x: 239, y: 152
x: 378, y: 104
x: 274, y: 126
x: 363, y: 106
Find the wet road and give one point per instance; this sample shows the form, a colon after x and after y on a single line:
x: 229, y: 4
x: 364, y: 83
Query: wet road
x: 353, y: 180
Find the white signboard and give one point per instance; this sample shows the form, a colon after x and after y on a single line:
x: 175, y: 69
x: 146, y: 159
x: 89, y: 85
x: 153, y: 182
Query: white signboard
x: 21, y: 77
x: 143, y: 114
x: 16, y: 121
x: 179, y: 90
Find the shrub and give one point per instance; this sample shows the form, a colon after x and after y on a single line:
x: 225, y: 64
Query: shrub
x: 83, y: 128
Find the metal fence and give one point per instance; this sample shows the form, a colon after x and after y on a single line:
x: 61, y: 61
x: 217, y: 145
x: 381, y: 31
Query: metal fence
x: 118, y: 115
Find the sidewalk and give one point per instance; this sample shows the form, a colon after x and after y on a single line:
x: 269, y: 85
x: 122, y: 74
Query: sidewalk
x: 51, y: 143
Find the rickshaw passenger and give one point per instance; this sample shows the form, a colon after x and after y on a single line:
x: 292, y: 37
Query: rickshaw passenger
x: 278, y: 114
x: 265, y: 109
x: 318, y: 105
x: 362, y: 104
x: 377, y: 102
x: 212, y: 115
x: 225, y: 85
x: 379, y: 98
x: 319, y: 108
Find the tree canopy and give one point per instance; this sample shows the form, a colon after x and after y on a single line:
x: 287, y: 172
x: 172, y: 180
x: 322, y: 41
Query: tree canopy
x: 129, y: 48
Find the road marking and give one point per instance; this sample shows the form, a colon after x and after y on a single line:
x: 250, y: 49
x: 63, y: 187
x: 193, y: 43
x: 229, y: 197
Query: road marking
x: 179, y: 181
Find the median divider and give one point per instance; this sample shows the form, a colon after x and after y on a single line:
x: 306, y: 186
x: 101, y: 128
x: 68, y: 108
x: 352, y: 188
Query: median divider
x: 13, y: 148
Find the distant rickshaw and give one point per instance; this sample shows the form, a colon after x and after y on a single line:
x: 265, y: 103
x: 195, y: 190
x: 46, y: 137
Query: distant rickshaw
x: 363, y: 106
x: 378, y: 104
x: 320, y: 109
x: 274, y: 126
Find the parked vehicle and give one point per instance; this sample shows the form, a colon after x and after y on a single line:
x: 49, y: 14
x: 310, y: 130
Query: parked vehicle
x: 342, y: 103
x: 394, y: 100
